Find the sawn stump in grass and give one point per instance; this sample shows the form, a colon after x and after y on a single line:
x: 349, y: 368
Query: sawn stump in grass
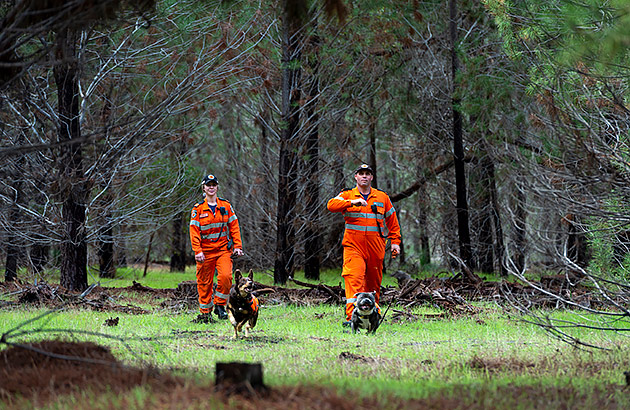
x: 240, y: 377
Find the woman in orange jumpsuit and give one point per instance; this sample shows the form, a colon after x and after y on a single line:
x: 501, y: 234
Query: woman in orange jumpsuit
x: 370, y: 220
x: 214, y: 235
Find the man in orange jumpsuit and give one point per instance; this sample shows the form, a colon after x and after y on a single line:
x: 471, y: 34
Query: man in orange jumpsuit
x: 370, y: 220
x: 215, y: 235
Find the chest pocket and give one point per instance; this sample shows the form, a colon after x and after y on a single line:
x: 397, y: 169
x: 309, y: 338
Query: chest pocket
x: 377, y: 208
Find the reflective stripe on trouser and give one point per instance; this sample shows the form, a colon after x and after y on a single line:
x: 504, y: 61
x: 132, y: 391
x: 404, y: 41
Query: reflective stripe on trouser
x: 205, y: 278
x: 362, y: 272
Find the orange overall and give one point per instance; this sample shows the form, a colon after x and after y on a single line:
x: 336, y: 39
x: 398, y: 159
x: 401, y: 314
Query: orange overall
x: 367, y: 229
x: 209, y: 233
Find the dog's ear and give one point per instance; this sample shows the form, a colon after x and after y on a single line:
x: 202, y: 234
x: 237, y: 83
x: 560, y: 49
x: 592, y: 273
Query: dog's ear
x: 237, y: 275
x: 251, y: 274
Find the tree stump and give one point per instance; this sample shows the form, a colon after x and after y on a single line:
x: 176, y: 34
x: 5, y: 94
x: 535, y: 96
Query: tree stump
x: 187, y: 291
x: 238, y: 377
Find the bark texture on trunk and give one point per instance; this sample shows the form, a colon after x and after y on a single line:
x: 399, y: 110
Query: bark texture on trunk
x: 463, y: 229
x: 287, y: 170
x: 312, y: 235
x: 74, y: 188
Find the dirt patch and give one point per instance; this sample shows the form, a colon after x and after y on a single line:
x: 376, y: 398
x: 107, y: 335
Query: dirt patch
x: 348, y: 356
x: 492, y: 366
x: 46, y: 371
x: 49, y: 371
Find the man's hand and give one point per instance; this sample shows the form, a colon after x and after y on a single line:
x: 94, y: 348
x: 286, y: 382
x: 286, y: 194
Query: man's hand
x: 359, y: 202
x: 395, y: 250
x: 200, y: 257
x: 237, y: 252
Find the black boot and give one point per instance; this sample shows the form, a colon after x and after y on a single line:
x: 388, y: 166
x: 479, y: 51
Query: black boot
x: 203, y: 318
x: 220, y: 312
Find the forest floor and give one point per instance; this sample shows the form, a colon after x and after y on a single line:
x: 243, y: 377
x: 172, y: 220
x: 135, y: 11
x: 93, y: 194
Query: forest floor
x: 29, y: 373
x: 44, y: 379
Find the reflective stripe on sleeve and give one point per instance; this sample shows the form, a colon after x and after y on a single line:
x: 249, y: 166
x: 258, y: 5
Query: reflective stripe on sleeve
x: 232, y: 218
x: 195, y: 223
x: 385, y: 229
x: 391, y: 211
x: 351, y: 301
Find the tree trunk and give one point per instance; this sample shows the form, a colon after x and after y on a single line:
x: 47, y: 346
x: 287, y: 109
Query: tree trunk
x: 287, y: 169
x: 481, y: 214
x: 312, y: 235
x: 448, y: 226
x: 147, y: 259
x: 178, y: 257
x: 463, y: 230
x: 74, y: 189
x: 74, y: 247
x: 422, y: 221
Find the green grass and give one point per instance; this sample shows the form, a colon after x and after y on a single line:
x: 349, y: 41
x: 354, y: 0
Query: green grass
x: 304, y: 344
x: 160, y: 279
x: 307, y: 345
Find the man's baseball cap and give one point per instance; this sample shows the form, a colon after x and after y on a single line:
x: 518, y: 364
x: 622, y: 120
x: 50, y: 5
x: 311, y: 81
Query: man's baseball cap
x: 208, y: 179
x: 364, y: 167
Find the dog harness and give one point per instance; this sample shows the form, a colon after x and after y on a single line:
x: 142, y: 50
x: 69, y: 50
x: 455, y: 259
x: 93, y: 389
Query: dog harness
x: 254, y: 304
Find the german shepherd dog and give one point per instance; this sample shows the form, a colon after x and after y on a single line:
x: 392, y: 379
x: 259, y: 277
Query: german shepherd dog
x: 366, y: 314
x: 242, y: 305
